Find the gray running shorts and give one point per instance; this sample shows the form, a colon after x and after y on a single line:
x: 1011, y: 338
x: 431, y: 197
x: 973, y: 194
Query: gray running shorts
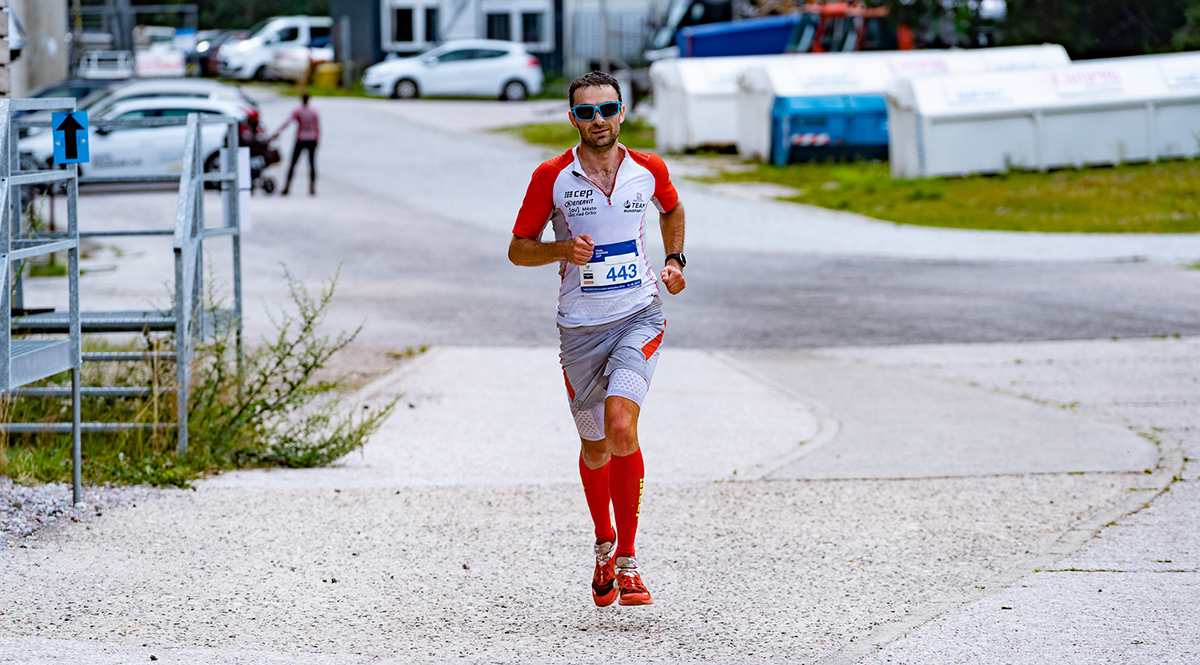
x: 590, y: 354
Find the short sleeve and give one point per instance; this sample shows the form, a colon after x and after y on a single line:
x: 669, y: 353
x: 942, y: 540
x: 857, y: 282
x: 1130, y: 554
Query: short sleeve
x: 538, y: 204
x: 665, y: 196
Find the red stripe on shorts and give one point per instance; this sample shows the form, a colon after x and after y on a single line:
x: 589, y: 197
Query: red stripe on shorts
x: 570, y: 390
x: 651, y: 345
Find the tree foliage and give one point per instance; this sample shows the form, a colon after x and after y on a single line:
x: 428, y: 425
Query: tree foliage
x: 1087, y: 28
x: 235, y: 14
x: 1104, y: 28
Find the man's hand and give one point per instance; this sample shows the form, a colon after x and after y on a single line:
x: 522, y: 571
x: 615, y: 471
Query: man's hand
x: 672, y: 276
x: 581, y: 249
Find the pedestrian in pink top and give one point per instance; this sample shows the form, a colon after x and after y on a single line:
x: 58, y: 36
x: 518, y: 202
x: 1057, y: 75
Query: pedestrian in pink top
x: 308, y: 133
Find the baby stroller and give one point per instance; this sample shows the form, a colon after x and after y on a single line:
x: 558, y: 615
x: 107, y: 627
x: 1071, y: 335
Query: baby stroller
x: 262, y: 153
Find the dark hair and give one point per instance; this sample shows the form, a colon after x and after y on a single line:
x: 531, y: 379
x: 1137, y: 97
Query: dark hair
x: 304, y: 98
x: 592, y: 80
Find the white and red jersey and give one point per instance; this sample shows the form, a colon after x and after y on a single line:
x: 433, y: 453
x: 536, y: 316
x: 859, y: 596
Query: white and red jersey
x: 618, y: 280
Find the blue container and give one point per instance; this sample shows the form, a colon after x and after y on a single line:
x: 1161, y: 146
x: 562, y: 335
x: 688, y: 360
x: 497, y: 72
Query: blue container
x: 756, y: 36
x: 868, y: 121
x: 834, y: 127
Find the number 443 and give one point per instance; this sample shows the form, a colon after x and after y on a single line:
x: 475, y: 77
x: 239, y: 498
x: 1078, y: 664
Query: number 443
x: 626, y: 272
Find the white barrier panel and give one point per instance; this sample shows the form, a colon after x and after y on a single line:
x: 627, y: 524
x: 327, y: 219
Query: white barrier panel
x: 1109, y: 111
x: 864, y: 73
x: 696, y: 100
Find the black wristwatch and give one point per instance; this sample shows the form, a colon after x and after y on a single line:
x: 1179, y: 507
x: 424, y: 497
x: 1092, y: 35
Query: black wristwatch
x: 679, y: 258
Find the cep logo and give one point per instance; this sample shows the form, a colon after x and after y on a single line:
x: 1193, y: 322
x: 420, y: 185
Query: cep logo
x: 578, y: 193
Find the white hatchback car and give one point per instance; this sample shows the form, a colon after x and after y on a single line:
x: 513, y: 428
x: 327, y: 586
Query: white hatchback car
x: 141, y: 151
x: 461, y: 68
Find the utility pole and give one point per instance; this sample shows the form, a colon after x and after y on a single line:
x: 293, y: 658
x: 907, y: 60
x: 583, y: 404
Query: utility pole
x: 604, y: 65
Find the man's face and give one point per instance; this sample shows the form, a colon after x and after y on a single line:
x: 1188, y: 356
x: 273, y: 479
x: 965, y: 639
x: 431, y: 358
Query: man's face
x: 597, y: 132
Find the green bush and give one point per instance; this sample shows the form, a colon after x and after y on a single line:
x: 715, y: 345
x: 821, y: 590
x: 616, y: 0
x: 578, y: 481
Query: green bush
x: 266, y: 410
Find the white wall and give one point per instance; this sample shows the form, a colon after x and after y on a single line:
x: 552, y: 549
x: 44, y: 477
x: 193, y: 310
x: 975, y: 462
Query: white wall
x: 44, y: 58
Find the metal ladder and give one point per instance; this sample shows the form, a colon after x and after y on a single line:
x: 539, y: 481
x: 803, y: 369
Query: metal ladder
x: 188, y: 318
x: 28, y: 360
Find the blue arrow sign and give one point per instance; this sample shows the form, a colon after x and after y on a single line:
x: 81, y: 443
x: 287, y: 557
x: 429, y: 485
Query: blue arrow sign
x: 70, y: 137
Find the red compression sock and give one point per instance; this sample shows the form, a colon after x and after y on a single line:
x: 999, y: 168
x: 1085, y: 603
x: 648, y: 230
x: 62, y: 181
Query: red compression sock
x: 625, y: 483
x: 595, y: 488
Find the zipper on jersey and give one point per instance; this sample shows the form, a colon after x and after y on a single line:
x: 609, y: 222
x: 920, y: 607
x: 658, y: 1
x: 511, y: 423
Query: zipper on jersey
x: 600, y: 189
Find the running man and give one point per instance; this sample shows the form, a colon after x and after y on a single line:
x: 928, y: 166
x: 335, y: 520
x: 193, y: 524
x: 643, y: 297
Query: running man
x: 610, y: 318
x: 308, y: 133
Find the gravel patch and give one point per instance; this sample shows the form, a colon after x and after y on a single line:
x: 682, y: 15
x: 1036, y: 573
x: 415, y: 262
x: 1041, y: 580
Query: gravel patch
x: 26, y: 509
x: 764, y: 572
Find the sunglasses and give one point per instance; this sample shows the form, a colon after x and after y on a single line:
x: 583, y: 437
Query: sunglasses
x: 586, y: 112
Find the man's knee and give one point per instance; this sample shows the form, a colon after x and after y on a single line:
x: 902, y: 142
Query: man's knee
x: 621, y: 426
x: 594, y: 453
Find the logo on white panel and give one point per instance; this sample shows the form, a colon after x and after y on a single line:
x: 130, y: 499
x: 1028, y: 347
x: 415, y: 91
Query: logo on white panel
x: 1182, y: 73
x: 917, y: 67
x: 1076, y: 80
x: 970, y: 92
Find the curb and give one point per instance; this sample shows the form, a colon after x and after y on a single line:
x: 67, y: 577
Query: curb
x: 1170, y: 466
x: 828, y: 427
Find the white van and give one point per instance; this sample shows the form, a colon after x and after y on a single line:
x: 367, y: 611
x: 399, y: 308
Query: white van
x: 251, y: 58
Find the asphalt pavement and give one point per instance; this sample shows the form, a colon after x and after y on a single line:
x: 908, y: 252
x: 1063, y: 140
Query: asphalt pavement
x: 865, y: 443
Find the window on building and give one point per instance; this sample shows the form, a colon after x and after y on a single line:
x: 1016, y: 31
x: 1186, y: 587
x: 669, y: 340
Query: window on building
x: 531, y: 27
x: 402, y: 24
x: 498, y: 27
x: 431, y: 24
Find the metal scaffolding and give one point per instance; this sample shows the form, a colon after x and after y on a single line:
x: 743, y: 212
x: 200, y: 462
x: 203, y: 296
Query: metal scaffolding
x: 188, y: 318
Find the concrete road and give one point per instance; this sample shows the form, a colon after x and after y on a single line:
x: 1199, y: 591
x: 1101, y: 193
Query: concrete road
x: 419, y: 218
x: 890, y: 482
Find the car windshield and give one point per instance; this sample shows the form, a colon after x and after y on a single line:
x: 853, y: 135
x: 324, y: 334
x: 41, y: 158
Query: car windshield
x: 258, y: 28
x: 95, y: 98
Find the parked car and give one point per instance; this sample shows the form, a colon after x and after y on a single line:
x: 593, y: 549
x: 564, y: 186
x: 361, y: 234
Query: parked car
x: 99, y: 103
x: 197, y: 55
x: 466, y: 68
x: 77, y: 88
x: 292, y: 63
x: 251, y: 58
x: 208, y: 50
x: 140, y: 151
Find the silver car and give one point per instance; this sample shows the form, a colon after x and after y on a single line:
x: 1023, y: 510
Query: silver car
x: 140, y: 151
x: 461, y: 68
x: 99, y: 103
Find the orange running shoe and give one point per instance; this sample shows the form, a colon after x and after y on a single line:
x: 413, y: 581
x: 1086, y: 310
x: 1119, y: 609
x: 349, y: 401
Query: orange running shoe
x: 629, y: 582
x: 604, y: 591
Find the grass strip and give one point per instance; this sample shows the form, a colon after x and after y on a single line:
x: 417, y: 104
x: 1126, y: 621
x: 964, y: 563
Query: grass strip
x: 1130, y: 198
x: 636, y: 134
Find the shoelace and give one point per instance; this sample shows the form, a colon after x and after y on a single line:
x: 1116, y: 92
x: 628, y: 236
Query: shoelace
x: 631, y: 580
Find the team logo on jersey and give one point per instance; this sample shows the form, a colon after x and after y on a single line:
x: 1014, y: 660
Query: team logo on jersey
x: 636, y: 205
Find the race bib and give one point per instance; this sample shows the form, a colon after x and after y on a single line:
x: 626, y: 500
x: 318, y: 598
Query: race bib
x: 611, y: 267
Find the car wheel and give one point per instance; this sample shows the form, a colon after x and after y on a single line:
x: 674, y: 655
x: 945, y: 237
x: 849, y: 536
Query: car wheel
x: 405, y: 89
x: 260, y: 74
x: 211, y: 165
x: 514, y: 91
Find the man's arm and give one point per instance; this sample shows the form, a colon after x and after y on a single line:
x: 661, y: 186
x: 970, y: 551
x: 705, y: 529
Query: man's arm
x: 533, y: 252
x: 672, y: 225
